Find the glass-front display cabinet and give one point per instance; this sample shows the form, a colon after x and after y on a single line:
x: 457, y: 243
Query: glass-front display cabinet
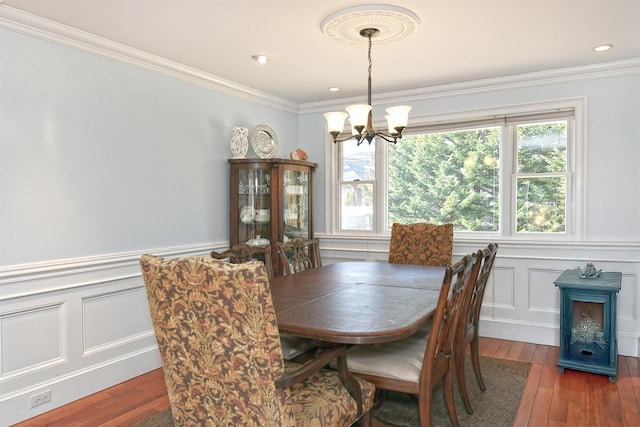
x: 271, y: 201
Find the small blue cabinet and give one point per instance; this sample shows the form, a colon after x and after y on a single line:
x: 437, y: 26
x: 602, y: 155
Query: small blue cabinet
x: 588, y: 340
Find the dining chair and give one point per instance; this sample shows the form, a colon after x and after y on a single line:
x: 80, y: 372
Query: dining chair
x: 299, y: 254
x: 468, y: 330
x: 416, y: 364
x: 292, y: 346
x: 217, y: 333
x: 242, y: 252
x: 421, y: 244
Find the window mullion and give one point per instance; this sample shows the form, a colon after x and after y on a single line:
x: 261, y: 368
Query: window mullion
x: 508, y: 165
x: 381, y: 189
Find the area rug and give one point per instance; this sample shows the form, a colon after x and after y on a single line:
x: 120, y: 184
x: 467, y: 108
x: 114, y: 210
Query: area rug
x: 495, y: 407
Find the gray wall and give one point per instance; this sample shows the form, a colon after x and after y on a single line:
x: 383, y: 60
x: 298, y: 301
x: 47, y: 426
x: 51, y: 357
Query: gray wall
x: 99, y: 157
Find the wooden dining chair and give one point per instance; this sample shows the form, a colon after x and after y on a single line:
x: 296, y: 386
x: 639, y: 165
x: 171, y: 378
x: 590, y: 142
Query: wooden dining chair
x: 299, y: 254
x: 421, y: 244
x: 292, y: 346
x: 242, y: 252
x: 468, y: 330
x: 416, y: 364
x: 217, y: 333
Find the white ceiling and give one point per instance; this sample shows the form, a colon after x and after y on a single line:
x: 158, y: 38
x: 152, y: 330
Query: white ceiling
x: 456, y: 40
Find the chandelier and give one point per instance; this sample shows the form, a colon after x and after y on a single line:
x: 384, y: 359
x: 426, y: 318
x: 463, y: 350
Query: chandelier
x: 360, y: 115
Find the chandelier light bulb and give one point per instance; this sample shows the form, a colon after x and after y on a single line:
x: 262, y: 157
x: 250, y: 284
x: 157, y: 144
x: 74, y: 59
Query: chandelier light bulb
x: 390, y: 129
x: 335, y: 121
x: 358, y: 114
x: 398, y: 117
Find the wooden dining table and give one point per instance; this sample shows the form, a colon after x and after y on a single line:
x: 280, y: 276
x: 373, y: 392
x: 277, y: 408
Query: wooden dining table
x: 356, y: 302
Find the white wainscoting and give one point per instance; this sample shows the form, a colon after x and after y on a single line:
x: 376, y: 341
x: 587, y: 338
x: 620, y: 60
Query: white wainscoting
x: 521, y: 302
x: 74, y: 327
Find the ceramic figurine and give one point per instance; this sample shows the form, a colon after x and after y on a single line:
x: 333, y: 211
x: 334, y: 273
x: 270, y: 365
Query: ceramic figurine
x: 239, y: 142
x: 589, y: 272
x: 298, y: 155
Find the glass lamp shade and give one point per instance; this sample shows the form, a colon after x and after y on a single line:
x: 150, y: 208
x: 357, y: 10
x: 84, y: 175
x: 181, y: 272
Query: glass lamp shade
x: 389, y: 128
x: 397, y: 116
x: 359, y: 114
x: 335, y: 121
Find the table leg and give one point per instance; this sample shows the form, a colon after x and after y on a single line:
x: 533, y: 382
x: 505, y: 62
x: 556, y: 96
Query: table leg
x: 350, y: 382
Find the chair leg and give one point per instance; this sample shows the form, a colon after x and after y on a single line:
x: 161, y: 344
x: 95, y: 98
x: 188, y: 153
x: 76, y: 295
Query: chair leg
x: 365, y: 420
x: 379, y: 398
x: 462, y: 382
x: 448, y: 396
x: 475, y: 360
x: 424, y: 409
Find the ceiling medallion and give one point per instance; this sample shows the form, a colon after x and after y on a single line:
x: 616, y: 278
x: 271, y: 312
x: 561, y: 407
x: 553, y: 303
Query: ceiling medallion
x: 393, y: 23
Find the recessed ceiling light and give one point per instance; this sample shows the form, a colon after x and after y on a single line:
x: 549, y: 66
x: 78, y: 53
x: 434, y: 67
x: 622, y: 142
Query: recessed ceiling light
x: 261, y: 59
x: 333, y: 89
x: 603, y: 48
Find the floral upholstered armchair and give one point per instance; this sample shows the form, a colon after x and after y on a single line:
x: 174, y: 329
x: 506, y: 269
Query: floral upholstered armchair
x: 218, y: 338
x: 292, y: 346
x: 421, y: 244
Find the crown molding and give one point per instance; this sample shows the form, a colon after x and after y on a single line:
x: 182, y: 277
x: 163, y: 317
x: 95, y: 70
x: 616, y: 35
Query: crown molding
x: 19, y: 21
x: 560, y: 75
x: 22, y: 22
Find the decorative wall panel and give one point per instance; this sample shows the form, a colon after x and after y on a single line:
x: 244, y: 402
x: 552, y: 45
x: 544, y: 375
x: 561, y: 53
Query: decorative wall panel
x: 543, y: 296
x: 502, y: 293
x: 32, y: 338
x: 113, y: 318
x: 628, y: 306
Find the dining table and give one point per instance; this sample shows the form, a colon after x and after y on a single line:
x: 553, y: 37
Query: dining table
x: 356, y: 302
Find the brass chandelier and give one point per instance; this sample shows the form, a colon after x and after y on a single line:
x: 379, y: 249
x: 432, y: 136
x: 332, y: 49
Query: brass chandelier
x: 360, y: 115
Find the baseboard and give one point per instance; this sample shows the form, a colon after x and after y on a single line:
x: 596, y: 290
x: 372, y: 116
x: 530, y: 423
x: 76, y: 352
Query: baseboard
x: 16, y: 407
x: 628, y: 344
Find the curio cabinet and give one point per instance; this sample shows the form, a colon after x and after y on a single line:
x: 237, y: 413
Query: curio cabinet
x: 271, y: 201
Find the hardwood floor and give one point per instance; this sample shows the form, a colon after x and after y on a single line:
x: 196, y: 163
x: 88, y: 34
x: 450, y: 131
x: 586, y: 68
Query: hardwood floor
x: 550, y: 399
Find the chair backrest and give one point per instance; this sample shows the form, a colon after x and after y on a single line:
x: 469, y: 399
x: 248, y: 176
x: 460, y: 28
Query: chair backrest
x: 299, y: 254
x: 469, y: 299
x: 242, y: 253
x: 421, y: 244
x: 218, y: 337
x: 440, y: 343
x: 487, y: 256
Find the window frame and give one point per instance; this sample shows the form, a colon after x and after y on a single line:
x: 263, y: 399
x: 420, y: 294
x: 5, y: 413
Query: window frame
x: 567, y: 174
x: 544, y: 111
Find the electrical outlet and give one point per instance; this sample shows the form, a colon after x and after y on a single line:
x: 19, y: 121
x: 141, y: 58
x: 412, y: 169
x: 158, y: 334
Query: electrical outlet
x: 40, y: 398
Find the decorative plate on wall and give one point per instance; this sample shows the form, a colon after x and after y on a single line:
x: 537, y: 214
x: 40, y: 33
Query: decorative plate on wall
x: 264, y: 141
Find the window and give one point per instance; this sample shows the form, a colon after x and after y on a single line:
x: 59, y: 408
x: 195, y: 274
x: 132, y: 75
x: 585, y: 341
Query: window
x: 446, y: 177
x: 541, y: 177
x: 509, y: 175
x: 357, y: 187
